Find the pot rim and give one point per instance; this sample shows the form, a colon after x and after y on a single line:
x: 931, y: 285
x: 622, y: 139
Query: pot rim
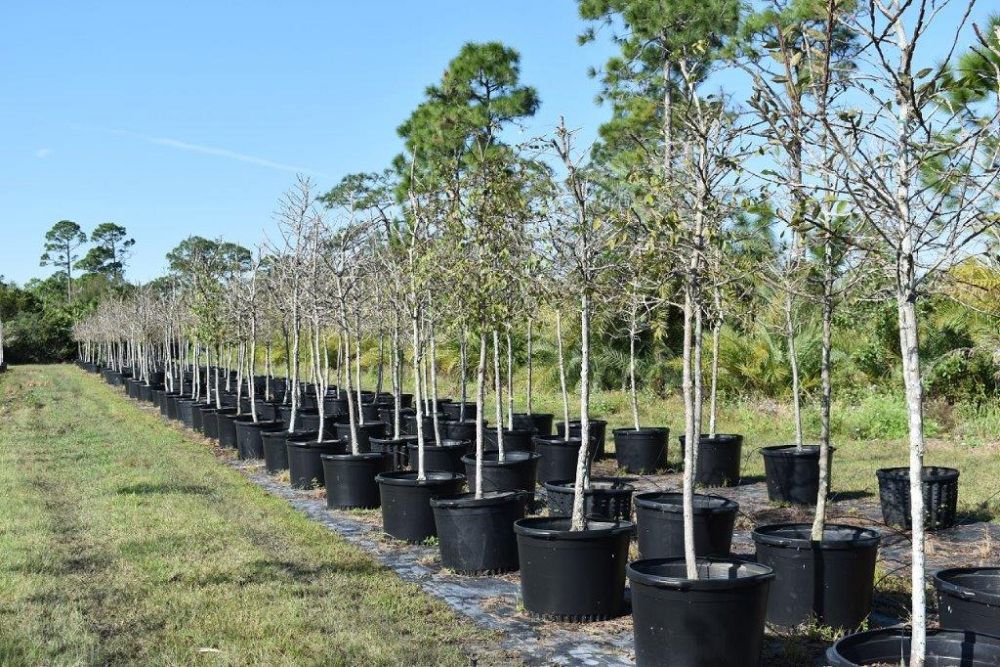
x: 596, y: 529
x: 645, y: 500
x: 942, y: 584
x: 717, y: 439
x: 644, y: 430
x: 446, y: 444
x: 793, y: 451
x: 468, y: 499
x: 928, y: 473
x: 409, y: 478
x: 576, y: 422
x: 573, y: 441
x: 866, y: 537
x: 901, y: 632
x: 568, y: 484
x: 514, y: 456
x: 262, y: 423
x: 758, y: 573
x: 350, y: 458
x: 313, y: 444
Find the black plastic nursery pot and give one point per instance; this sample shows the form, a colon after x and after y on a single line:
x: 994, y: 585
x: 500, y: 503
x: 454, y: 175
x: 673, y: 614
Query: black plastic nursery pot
x: 558, y: 457
x: 305, y: 467
x: 573, y: 576
x: 249, y: 443
x: 410, y: 424
x: 275, y: 450
x: 350, y: 479
x: 940, y: 486
x: 716, y: 620
x: 168, y: 405
x: 447, y: 456
x: 266, y: 411
x: 969, y: 598
x: 607, y: 499
x: 514, y: 440
x: 210, y: 421
x: 455, y: 412
x: 719, y: 459
x: 465, y: 430
x: 145, y: 393
x: 396, y: 449
x: 198, y: 416
x: 156, y: 397
x: 792, y: 473
x: 226, y: 427
x: 598, y: 431
x: 539, y: 422
x: 641, y: 451
x: 517, y: 472
x: 366, y: 431
x: 891, y: 646
x: 406, y: 502
x: 185, y: 411
x: 476, y: 535
x: 829, y: 581
x: 660, y: 524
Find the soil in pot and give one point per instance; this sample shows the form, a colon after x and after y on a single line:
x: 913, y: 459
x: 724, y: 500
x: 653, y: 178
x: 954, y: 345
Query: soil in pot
x: 305, y: 467
x: 275, y: 450
x: 540, y: 422
x: 350, y: 479
x: 940, y: 486
x: 716, y: 620
x: 573, y: 576
x: 719, y: 459
x: 476, y: 535
x: 891, y: 646
x: 969, y: 598
x: 598, y: 431
x: 558, y: 457
x: 642, y: 451
x: 515, y: 473
x: 830, y: 581
x: 660, y: 524
x: 406, y: 502
x: 249, y: 443
x: 607, y: 499
x: 792, y: 473
x: 447, y: 456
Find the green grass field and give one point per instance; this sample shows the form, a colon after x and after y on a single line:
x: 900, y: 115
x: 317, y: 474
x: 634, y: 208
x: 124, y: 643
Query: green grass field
x: 123, y: 541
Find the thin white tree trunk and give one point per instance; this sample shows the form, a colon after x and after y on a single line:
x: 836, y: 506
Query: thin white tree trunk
x: 633, y: 332
x: 499, y: 396
x: 794, y: 364
x: 562, y: 376
x: 819, y: 519
x: 510, y: 381
x: 415, y: 317
x: 582, y: 482
x: 480, y: 409
x: 346, y: 344
x: 531, y: 368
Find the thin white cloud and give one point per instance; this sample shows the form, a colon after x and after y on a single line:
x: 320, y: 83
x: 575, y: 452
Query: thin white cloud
x: 43, y: 153
x: 217, y: 152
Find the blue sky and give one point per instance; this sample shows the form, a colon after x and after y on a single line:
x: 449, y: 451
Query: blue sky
x: 192, y: 117
x: 187, y: 118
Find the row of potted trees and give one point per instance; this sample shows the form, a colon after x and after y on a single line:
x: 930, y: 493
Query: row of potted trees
x: 566, y: 574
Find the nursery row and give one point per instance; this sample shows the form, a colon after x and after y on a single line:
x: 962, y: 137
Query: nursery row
x: 519, y: 520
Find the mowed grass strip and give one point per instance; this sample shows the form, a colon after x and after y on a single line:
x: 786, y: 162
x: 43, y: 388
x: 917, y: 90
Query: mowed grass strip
x: 123, y: 542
